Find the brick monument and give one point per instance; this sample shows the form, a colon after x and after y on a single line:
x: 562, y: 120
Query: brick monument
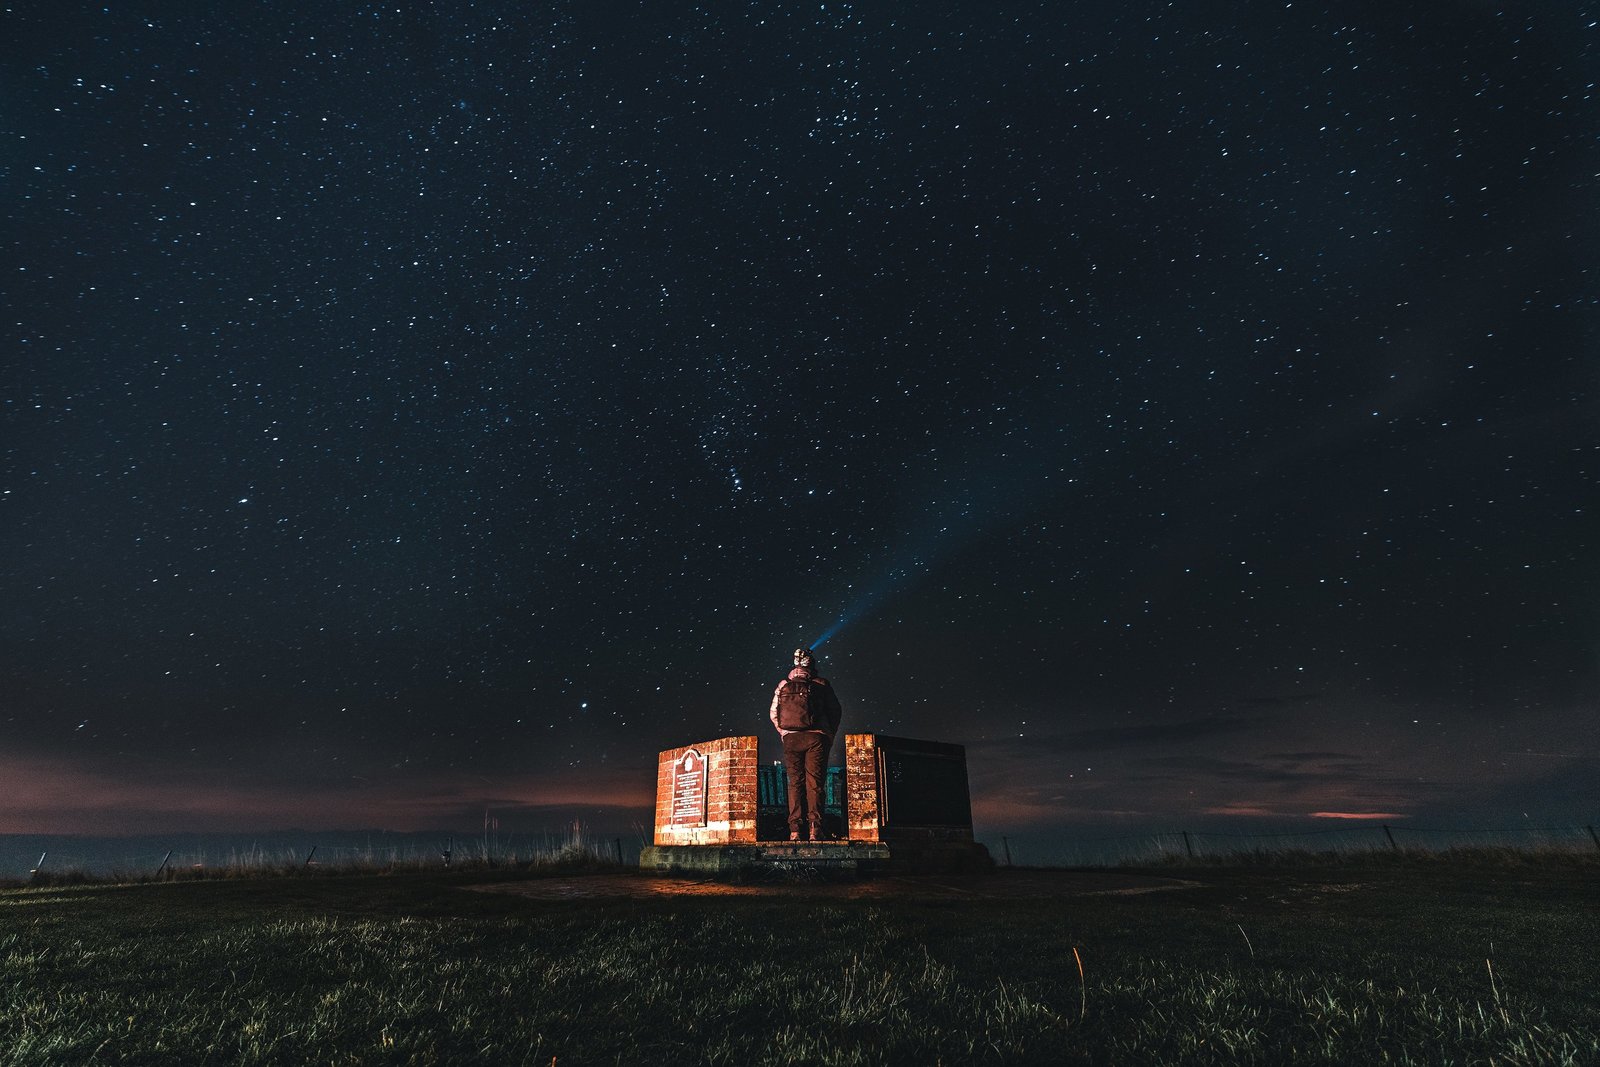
x: 706, y: 793
x: 906, y: 807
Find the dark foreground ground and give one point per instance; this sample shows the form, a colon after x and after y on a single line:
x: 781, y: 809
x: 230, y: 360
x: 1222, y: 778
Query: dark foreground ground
x: 1388, y: 960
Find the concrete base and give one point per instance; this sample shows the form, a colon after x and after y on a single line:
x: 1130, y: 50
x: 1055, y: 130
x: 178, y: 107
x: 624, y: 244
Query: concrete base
x: 848, y: 859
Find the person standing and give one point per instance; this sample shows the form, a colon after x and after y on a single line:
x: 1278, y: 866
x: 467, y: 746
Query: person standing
x: 805, y: 711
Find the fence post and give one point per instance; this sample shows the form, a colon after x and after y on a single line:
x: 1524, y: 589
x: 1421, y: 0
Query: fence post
x: 164, y: 860
x: 1005, y: 843
x: 619, y: 852
x: 1593, y: 838
x: 313, y: 852
x: 1187, y: 847
x: 1387, y: 833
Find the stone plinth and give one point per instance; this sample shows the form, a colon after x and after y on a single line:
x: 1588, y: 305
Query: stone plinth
x: 775, y: 857
x: 779, y: 859
x: 724, y: 811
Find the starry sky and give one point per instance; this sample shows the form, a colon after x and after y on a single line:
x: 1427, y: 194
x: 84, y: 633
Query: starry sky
x: 413, y: 407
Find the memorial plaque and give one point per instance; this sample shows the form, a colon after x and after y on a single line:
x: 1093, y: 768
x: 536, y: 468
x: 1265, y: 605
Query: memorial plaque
x: 689, y: 790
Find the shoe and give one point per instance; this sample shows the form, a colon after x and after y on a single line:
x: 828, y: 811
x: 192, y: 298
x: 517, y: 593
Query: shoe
x: 794, y: 835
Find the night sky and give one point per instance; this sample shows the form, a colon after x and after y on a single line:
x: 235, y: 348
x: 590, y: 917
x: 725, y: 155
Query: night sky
x: 413, y: 407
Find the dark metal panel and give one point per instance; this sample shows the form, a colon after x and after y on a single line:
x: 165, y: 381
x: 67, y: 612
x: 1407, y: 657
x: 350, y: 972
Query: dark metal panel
x: 923, y: 784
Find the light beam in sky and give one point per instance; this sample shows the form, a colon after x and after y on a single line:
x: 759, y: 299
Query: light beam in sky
x: 995, y: 483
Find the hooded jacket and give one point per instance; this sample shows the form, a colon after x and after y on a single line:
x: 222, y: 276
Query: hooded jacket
x: 827, y: 699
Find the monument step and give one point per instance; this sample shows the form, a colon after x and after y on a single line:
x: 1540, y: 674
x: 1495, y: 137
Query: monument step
x: 803, y: 857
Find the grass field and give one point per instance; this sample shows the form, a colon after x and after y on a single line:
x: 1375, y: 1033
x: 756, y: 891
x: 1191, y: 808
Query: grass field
x: 1389, y: 960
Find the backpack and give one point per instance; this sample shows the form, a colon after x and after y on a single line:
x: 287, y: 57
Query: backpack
x: 797, y: 706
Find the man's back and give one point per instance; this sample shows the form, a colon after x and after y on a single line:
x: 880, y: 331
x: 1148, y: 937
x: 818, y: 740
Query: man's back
x: 805, y: 701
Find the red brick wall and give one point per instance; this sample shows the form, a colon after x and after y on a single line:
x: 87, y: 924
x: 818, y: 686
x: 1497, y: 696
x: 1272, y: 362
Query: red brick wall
x: 861, y: 814
x: 730, y: 794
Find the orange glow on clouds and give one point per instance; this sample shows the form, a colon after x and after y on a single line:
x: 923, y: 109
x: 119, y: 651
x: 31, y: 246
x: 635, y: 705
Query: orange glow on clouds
x: 1243, y: 809
x: 1358, y: 815
x: 1246, y: 810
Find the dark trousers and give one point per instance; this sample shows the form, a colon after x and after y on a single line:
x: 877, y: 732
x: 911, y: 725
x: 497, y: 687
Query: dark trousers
x: 805, y: 764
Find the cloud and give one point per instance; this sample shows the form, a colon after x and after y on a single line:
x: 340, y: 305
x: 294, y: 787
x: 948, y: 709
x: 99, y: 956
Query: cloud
x: 1551, y: 789
x: 55, y: 796
x: 1230, y: 770
x: 1374, y: 815
x: 1243, y: 809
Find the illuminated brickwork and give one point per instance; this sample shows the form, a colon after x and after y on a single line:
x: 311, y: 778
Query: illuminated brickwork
x: 730, y: 794
x: 861, y: 787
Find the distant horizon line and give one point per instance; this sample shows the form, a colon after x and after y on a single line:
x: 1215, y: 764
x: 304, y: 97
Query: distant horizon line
x: 1135, y: 826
